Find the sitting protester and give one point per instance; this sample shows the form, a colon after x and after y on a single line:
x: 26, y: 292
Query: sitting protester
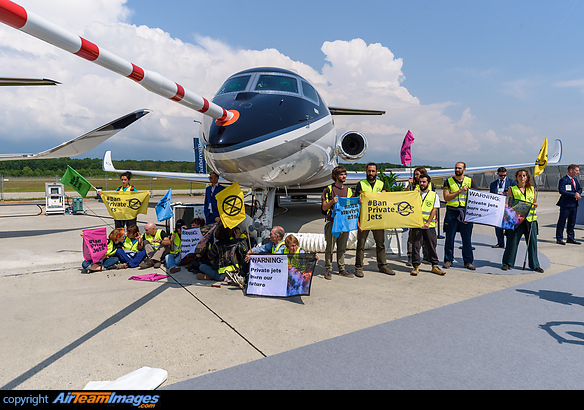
x: 226, y: 258
x: 109, y: 260
x: 156, y: 243
x: 130, y: 254
x: 173, y: 259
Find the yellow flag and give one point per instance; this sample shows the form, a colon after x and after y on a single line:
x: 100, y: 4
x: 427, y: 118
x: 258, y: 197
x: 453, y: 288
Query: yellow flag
x: 391, y: 210
x: 231, y: 206
x: 541, y: 160
x: 124, y: 205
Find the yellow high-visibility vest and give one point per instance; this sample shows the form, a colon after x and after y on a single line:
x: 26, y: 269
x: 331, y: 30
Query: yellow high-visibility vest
x: 460, y: 199
x: 528, y: 197
x: 427, y: 207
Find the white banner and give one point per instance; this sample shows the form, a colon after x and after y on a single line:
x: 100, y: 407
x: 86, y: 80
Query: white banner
x: 485, y: 208
x: 268, y: 275
x: 189, y: 239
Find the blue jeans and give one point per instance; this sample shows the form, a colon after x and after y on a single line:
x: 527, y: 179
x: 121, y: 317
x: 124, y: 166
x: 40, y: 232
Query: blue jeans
x: 209, y: 271
x: 108, y: 263
x: 132, y: 262
x: 172, y: 260
x: 451, y: 226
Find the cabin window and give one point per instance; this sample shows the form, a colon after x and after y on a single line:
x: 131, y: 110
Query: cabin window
x: 234, y: 85
x: 309, y: 92
x: 271, y: 82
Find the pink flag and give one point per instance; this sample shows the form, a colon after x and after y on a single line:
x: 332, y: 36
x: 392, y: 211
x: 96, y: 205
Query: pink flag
x: 406, y: 152
x: 94, y: 244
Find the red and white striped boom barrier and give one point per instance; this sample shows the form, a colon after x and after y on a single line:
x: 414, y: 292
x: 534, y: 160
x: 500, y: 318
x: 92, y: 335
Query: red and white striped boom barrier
x: 16, y: 16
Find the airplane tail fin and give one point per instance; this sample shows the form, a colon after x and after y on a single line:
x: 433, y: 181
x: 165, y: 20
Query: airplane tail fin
x: 556, y: 157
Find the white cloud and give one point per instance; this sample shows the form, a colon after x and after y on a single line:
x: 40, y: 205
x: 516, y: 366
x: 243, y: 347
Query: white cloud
x: 355, y: 75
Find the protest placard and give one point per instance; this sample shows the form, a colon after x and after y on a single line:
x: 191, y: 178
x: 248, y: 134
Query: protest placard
x: 124, y: 205
x: 94, y: 244
x: 345, y: 215
x: 189, y: 239
x: 280, y: 275
x: 495, y: 210
x: 391, y: 210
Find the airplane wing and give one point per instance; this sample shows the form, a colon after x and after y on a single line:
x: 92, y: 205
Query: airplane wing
x: 84, y: 143
x: 553, y: 159
x: 193, y: 177
x: 18, y: 82
x: 353, y: 111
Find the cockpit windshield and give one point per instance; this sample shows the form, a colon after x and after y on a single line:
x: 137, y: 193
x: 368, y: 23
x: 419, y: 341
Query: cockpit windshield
x: 234, y: 85
x: 271, y: 82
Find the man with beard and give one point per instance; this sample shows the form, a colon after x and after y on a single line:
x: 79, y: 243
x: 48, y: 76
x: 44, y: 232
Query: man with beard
x: 455, y: 192
x: 371, y: 184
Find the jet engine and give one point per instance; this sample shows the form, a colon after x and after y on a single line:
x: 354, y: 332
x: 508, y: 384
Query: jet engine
x: 352, y: 146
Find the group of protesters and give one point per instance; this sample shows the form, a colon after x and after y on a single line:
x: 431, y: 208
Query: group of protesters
x: 455, y: 191
x: 213, y: 257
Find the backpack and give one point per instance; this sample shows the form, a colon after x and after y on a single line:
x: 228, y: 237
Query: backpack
x: 232, y: 253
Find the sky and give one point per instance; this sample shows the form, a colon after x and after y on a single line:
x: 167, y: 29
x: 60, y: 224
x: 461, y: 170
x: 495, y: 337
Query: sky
x: 480, y: 82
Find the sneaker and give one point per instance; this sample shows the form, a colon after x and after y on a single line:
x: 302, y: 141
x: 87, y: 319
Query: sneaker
x: 538, y: 270
x: 415, y: 271
x: 346, y: 274
x: 387, y: 270
x: 96, y: 267
x: 122, y: 265
x: 446, y: 265
x: 359, y: 272
x: 202, y: 276
x: 469, y: 266
x: 157, y: 264
x: 436, y: 269
x: 505, y: 267
x: 328, y: 274
x: 174, y: 269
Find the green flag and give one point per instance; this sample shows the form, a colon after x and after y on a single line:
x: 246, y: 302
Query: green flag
x: 74, y: 179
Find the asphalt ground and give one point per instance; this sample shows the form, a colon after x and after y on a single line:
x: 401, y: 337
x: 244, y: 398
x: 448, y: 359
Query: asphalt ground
x: 62, y: 328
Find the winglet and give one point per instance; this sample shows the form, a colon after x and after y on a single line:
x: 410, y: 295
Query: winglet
x: 107, y: 162
x: 556, y: 157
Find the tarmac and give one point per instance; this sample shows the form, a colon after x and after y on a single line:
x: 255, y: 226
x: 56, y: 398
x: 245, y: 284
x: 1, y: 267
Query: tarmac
x: 466, y: 330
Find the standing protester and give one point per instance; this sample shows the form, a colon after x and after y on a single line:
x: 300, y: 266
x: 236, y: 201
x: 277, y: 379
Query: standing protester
x: 413, y: 185
x: 210, y: 208
x: 501, y: 186
x: 570, y: 193
x: 125, y: 178
x: 427, y: 233
x: 455, y: 192
x: 528, y: 227
x: 330, y: 196
x: 371, y: 184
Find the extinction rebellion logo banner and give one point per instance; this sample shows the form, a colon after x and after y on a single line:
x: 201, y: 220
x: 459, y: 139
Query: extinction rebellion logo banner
x: 391, y: 210
x: 124, y: 205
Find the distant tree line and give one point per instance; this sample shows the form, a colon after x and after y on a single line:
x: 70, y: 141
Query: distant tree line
x: 91, y: 167
x: 88, y: 167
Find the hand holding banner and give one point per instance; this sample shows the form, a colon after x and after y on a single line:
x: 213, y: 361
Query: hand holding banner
x: 391, y: 210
